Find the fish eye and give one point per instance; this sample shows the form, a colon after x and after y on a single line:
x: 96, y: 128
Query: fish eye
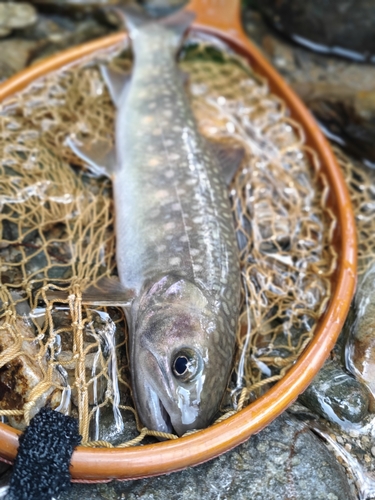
x: 186, y: 364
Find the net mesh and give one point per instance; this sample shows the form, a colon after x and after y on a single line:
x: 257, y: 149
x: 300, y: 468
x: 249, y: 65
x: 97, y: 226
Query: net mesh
x: 56, y: 221
x: 361, y: 183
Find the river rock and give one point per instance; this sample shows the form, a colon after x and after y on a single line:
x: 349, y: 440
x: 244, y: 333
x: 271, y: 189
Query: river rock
x: 22, y: 374
x: 69, y: 32
x: 107, y: 429
x: 360, y: 344
x: 341, y: 28
x: 15, y: 54
x: 336, y: 396
x: 16, y: 15
x: 285, y: 460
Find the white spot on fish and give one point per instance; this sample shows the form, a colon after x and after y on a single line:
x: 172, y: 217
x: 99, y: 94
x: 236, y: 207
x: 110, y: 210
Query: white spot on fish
x: 170, y: 226
x: 169, y: 174
x: 175, y: 261
x: 176, y: 207
x: 161, y: 194
x: 184, y: 238
x: 174, y: 156
x: 147, y: 119
x: 153, y: 162
x: 225, y: 307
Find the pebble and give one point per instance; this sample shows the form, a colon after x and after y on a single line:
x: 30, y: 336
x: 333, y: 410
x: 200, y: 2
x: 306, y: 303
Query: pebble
x: 16, y: 15
x: 15, y: 54
x: 336, y: 396
x: 285, y: 460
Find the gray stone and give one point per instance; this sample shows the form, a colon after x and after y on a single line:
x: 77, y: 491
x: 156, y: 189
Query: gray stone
x: 15, y: 54
x: 336, y: 396
x: 16, y: 15
x: 285, y: 460
x: 360, y: 344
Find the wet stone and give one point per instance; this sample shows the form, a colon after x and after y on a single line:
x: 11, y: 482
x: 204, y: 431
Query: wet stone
x: 74, y: 5
x: 107, y: 430
x: 15, y: 54
x: 16, y: 15
x: 341, y: 28
x: 285, y: 460
x: 360, y: 344
x: 66, y: 33
x: 336, y: 396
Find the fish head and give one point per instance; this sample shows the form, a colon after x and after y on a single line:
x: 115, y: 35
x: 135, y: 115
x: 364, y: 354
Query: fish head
x: 179, y: 372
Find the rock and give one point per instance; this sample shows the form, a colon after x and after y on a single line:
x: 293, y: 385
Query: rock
x: 343, y: 125
x: 47, y: 28
x: 360, y: 344
x: 16, y: 15
x: 4, y: 31
x: 92, y: 367
x: 22, y: 374
x: 341, y: 28
x: 67, y: 33
x: 74, y: 7
x: 336, y: 396
x: 285, y: 460
x: 15, y: 54
x: 107, y: 430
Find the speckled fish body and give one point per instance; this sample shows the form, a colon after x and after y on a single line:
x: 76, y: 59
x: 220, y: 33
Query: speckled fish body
x: 176, y: 246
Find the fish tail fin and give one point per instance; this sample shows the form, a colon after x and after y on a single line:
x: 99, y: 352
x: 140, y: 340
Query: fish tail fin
x: 135, y: 17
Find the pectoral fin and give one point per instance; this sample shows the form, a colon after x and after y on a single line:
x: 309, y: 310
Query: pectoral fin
x: 100, y: 156
x: 105, y: 292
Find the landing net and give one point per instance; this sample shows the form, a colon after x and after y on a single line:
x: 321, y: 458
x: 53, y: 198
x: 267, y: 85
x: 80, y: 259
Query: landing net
x: 56, y: 221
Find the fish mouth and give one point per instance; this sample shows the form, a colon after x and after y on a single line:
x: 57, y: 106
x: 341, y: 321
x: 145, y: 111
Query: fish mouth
x: 149, y: 404
x: 166, y: 418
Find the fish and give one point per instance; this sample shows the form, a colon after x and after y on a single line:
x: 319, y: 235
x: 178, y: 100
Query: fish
x: 176, y: 250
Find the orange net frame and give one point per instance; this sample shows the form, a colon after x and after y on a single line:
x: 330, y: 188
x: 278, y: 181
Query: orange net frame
x: 56, y: 222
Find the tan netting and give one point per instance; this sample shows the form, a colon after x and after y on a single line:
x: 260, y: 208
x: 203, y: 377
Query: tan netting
x: 361, y: 183
x: 57, y: 229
